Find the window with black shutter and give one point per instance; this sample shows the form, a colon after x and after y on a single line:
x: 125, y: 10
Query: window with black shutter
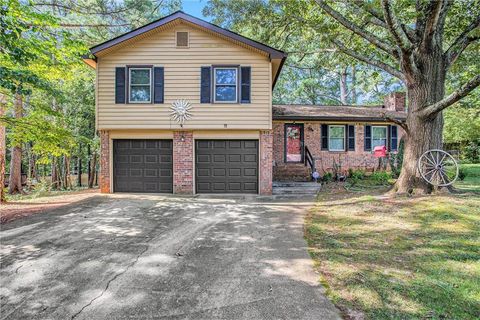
x: 393, y: 138
x: 120, y: 80
x: 205, y: 85
x: 158, y: 84
x: 351, y: 138
x: 368, y: 138
x: 324, y: 133
x: 245, y: 74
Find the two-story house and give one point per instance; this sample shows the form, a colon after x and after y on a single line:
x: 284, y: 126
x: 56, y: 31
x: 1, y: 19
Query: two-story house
x: 185, y: 106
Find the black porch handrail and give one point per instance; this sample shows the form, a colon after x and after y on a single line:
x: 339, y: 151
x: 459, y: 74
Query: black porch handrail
x: 308, y: 159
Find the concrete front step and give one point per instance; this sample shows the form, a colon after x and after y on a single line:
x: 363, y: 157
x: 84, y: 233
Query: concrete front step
x: 292, y: 187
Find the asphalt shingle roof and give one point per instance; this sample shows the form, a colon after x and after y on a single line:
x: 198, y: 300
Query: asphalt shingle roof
x: 352, y: 113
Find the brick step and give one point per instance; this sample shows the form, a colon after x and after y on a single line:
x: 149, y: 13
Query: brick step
x: 292, y: 172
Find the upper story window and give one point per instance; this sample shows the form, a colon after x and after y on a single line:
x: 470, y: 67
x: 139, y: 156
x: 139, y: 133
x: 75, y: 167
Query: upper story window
x: 181, y: 39
x: 336, y: 137
x: 140, y: 85
x: 226, y: 82
x: 379, y: 136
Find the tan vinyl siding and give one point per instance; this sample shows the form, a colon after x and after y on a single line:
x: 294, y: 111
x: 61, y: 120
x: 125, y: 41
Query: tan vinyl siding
x: 182, y: 81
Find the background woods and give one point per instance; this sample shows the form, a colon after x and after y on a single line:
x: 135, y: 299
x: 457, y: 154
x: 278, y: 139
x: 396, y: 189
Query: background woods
x: 47, y: 92
x: 339, y: 53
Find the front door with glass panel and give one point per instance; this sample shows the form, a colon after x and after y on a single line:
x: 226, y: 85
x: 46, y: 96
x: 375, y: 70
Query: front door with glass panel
x: 293, y: 142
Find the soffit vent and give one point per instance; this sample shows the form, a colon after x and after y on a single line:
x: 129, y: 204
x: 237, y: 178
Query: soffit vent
x: 182, y: 39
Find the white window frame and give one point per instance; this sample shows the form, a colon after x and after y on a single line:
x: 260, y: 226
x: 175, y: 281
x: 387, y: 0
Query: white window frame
x: 215, y: 84
x: 130, y: 83
x: 329, y: 137
x: 386, y: 135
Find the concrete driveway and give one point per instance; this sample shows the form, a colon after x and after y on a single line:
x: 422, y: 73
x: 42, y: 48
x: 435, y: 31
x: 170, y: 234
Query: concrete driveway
x: 154, y: 257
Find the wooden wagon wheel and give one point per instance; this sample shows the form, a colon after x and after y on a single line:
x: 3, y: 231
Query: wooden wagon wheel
x: 438, y: 168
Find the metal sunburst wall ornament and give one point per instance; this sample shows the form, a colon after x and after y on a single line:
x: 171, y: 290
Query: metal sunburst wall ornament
x: 181, y: 111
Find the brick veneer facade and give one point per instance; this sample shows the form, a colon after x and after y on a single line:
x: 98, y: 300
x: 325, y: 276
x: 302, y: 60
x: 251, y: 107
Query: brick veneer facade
x: 104, y: 162
x: 266, y: 162
x: 324, y: 159
x: 183, y: 162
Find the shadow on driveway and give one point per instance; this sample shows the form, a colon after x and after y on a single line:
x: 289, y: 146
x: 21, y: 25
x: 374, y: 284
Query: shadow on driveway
x: 130, y: 256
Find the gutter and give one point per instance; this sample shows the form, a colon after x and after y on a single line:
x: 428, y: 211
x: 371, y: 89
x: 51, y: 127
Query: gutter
x: 349, y: 119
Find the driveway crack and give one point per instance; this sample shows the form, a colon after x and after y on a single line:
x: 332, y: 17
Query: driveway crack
x: 115, y: 277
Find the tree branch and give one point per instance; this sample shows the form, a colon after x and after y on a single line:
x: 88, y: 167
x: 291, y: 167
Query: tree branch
x: 395, y: 27
x: 462, y: 42
x: 357, y: 29
x: 433, y: 12
x: 378, y: 18
x: 373, y: 62
x: 401, y: 123
x: 463, y: 91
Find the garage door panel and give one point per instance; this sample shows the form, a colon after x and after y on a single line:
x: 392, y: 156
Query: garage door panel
x: 219, y: 158
x: 250, y: 186
x: 226, y: 166
x: 250, y: 172
x: 143, y: 166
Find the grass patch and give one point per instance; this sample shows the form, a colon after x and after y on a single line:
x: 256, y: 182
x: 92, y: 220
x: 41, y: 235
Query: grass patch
x: 398, y: 258
x: 471, y: 182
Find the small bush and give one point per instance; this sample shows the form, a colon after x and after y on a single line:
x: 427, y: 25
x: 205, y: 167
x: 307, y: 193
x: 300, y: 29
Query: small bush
x: 355, y: 176
x: 462, y: 174
x: 381, y: 177
x: 42, y: 188
x: 327, y: 177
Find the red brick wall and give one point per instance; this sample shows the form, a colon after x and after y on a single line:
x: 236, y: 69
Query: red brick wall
x: 324, y: 160
x: 395, y: 101
x: 104, y: 180
x: 266, y: 162
x: 183, y: 162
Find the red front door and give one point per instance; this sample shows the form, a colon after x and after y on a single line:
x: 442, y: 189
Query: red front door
x: 293, y: 142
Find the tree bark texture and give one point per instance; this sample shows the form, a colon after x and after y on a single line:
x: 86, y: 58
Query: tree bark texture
x: 424, y: 133
x: 92, y: 170
x: 3, y: 148
x: 55, y: 183
x: 79, y: 166
x: 343, y: 87
x: 15, y: 181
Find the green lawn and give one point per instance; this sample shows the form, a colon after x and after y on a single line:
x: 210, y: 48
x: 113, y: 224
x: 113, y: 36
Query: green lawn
x: 472, y: 179
x: 398, y: 258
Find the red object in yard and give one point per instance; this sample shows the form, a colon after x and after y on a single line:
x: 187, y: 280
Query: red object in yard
x: 380, y: 151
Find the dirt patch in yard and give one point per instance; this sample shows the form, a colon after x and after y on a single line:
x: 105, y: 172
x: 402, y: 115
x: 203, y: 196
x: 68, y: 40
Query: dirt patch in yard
x: 23, y: 208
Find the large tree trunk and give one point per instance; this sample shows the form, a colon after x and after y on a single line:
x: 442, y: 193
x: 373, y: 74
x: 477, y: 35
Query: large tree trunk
x: 343, y: 87
x: 3, y: 148
x: 55, y: 183
x: 79, y: 166
x: 15, y: 182
x: 32, y: 165
x: 353, y: 85
x: 423, y: 133
x: 93, y: 165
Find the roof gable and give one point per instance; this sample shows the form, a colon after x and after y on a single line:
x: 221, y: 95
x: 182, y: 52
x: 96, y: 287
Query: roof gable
x: 273, y: 53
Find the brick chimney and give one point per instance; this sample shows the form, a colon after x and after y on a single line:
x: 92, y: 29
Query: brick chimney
x: 394, y: 101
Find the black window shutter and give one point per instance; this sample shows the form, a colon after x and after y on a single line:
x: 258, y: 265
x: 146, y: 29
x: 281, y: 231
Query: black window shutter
x: 120, y: 84
x: 368, y: 138
x: 351, y: 138
x: 324, y: 137
x: 393, y: 138
x: 158, y: 87
x: 245, y: 74
x: 206, y: 85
